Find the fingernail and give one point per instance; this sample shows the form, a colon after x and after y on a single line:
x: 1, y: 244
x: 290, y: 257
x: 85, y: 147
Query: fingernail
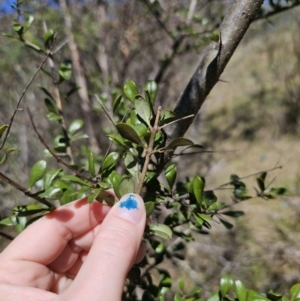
x: 131, y: 207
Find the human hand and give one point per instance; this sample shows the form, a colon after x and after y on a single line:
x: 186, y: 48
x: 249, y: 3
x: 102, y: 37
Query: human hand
x: 79, y: 251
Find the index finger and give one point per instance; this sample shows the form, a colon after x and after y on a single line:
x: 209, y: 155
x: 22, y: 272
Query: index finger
x: 46, y: 238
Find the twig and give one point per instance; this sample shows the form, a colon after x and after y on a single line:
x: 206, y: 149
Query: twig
x: 78, y: 174
x: 7, y: 236
x: 58, y: 102
x: 149, y: 152
x: 105, y: 111
x: 254, y: 174
x: 177, y: 120
x: 25, y: 191
x: 21, y: 98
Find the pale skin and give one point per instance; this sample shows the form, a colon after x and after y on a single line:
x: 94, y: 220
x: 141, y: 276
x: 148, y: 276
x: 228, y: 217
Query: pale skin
x: 79, y: 251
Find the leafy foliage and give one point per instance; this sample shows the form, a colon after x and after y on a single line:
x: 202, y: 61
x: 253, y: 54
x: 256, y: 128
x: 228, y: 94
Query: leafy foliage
x: 139, y: 154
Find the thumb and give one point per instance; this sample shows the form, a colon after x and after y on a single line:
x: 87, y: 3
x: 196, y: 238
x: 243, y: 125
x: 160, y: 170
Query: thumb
x: 113, y: 252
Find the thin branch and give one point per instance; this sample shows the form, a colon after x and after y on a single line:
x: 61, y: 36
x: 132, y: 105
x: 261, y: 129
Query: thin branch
x: 7, y: 236
x: 277, y: 11
x: 177, y: 120
x: 149, y: 152
x: 251, y: 175
x: 78, y: 174
x: 25, y: 191
x: 21, y: 98
x: 105, y: 111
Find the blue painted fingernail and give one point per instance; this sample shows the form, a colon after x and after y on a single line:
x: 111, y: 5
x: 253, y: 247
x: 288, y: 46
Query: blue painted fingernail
x: 129, y: 208
x: 129, y: 203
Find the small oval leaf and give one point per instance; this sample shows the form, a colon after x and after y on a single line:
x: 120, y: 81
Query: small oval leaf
x: 240, y: 290
x: 198, y: 187
x: 37, y: 172
x: 127, y: 132
x: 109, y: 162
x: 130, y: 90
x: 142, y: 108
x: 161, y: 230
x: 150, y: 206
x: 126, y: 186
x: 151, y: 87
x: 91, y: 164
x: 226, y: 284
x: 171, y: 173
x: 75, y: 126
x: 179, y: 142
x: 3, y: 129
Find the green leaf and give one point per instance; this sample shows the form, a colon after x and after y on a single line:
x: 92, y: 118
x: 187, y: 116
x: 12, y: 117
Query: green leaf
x: 50, y: 106
x: 240, y: 290
x: 52, y: 193
x: 226, y: 224
x: 278, y: 191
x: 171, y: 173
x: 254, y: 296
x: 118, y: 139
x: 167, y: 116
x: 126, y: 186
x: 130, y: 90
x: 194, y: 291
x: 179, y: 142
x: 65, y: 70
x: 3, y: 129
x: 151, y: 87
x: 177, y: 298
x: 28, y: 23
x: 72, y: 91
x: 91, y: 164
x: 74, y: 179
x: 150, y: 206
x: 132, y: 165
x: 37, y: 172
x: 53, y: 117
x: 214, y: 297
x: 46, y: 92
x: 142, y: 108
x: 209, y: 197
x: 233, y: 213
x: 48, y: 38
x: 109, y: 162
x: 226, y: 284
x: 117, y: 102
x: 205, y: 217
x: 274, y: 296
x: 198, y: 187
x: 161, y: 230
x: 50, y: 176
x: 7, y: 152
x: 105, y: 197
x: 261, y: 184
x: 75, y: 126
x: 18, y: 28
x: 78, y: 137
x: 181, y: 284
x: 295, y: 292
x: 26, y: 210
x: 115, y: 180
x: 127, y: 132
x: 9, y: 221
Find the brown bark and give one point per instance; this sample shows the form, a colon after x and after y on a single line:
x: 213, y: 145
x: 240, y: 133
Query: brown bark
x: 216, y: 56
